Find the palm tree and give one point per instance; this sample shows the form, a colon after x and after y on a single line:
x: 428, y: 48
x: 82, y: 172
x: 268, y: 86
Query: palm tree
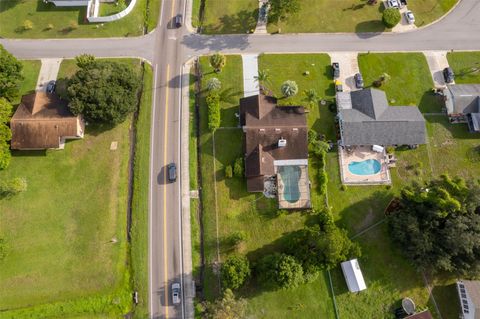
x: 218, y: 61
x: 262, y: 78
x: 214, y: 84
x: 289, y: 88
x: 311, y: 96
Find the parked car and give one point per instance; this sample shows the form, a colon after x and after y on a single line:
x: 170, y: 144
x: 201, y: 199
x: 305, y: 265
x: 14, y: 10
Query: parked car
x: 448, y: 75
x: 178, y: 20
x: 51, y: 86
x: 409, y: 17
x: 358, y: 80
x: 176, y: 293
x: 393, y: 4
x: 338, y: 86
x: 172, y: 172
x: 335, y: 70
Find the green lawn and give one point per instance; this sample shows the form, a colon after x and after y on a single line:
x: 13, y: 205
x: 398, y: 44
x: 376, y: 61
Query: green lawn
x: 427, y: 11
x: 13, y: 13
x: 466, y: 66
x: 66, y: 235
x: 410, y: 82
x: 109, y: 8
x: 220, y: 16
x: 31, y: 69
x: 333, y: 16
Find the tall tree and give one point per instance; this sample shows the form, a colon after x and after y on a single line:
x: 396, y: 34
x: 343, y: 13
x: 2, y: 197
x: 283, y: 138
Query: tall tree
x: 280, y: 10
x: 228, y: 307
x: 10, y: 75
x: 218, y: 61
x: 437, y: 225
x: 280, y: 270
x: 235, y: 271
x: 5, y: 133
x: 262, y: 79
x: 103, y: 91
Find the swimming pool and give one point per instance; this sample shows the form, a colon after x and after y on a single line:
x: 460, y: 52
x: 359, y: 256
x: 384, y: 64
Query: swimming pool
x: 367, y: 167
x: 290, y: 176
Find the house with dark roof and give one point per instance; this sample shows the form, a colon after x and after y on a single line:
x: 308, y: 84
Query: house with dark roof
x: 366, y: 119
x: 276, y: 150
x: 462, y: 102
x: 43, y: 121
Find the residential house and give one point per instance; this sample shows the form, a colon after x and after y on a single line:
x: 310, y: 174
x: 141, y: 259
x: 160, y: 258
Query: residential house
x: 462, y: 102
x: 69, y: 3
x: 276, y: 150
x: 469, y: 298
x: 43, y: 121
x: 366, y: 119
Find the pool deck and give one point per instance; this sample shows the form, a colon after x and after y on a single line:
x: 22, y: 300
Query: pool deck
x: 358, y: 154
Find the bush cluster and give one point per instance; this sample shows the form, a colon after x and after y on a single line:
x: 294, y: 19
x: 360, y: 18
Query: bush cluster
x: 319, y: 149
x: 238, y: 167
x: 213, y: 104
x: 5, y: 133
x: 12, y: 187
x: 391, y: 17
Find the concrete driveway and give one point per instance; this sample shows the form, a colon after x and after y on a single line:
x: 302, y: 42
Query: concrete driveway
x: 348, y: 67
x: 403, y: 25
x: 437, y: 61
x: 48, y: 72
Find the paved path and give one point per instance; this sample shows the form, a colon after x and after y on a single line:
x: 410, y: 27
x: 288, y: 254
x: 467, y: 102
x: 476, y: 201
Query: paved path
x: 437, y: 61
x: 250, y: 71
x: 48, y: 72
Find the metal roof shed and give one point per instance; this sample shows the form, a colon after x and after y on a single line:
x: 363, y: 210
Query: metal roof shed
x: 353, y: 275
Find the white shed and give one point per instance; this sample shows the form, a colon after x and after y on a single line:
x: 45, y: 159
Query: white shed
x: 353, y: 275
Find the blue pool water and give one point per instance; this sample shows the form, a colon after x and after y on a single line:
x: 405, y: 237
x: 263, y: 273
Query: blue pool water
x: 290, y: 176
x: 367, y: 167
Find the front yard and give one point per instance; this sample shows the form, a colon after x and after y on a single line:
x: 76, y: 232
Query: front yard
x: 67, y: 248
x: 49, y: 21
x: 466, y: 66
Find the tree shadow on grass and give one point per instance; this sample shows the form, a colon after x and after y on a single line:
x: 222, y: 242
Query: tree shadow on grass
x: 9, y: 4
x: 431, y: 103
x: 242, y: 22
x: 458, y: 130
x: 369, y: 29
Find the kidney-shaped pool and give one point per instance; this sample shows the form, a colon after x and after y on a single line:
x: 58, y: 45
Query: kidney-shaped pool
x: 367, y: 167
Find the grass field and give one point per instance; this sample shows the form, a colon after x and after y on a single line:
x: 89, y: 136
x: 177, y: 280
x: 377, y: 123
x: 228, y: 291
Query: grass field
x: 31, y: 68
x: 70, y: 22
x: 466, y: 66
x: 410, y: 82
x: 220, y: 16
x: 66, y: 235
x: 427, y: 11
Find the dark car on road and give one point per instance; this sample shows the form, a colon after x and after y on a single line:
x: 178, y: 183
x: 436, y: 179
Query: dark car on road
x: 448, y: 75
x: 358, y: 80
x: 178, y: 20
x: 335, y: 70
x: 172, y: 172
x: 51, y: 86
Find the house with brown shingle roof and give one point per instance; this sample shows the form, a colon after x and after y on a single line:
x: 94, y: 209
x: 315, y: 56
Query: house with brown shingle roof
x: 276, y: 149
x: 43, y: 121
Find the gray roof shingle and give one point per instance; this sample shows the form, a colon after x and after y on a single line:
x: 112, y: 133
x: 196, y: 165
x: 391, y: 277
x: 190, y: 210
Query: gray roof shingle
x: 465, y: 98
x: 371, y: 121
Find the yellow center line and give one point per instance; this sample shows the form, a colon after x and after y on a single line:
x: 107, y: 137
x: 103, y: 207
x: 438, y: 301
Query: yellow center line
x: 165, y: 193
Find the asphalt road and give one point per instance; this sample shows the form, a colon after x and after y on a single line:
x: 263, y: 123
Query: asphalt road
x: 168, y: 48
x: 166, y: 261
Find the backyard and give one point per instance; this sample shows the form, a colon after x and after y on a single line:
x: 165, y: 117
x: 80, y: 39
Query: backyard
x: 49, y: 21
x: 409, y: 82
x: 66, y: 235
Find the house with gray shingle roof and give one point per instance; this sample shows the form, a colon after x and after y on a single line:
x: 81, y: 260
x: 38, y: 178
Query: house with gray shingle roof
x: 463, y: 104
x: 366, y: 119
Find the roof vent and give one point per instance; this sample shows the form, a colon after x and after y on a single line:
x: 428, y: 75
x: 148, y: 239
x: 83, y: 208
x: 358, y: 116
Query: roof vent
x: 282, y: 142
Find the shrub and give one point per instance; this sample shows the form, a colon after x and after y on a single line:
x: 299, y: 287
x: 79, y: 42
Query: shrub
x: 237, y: 237
x: 218, y: 61
x: 12, y: 187
x: 235, y: 271
x: 281, y: 270
x: 391, y: 17
x: 214, y: 84
x: 390, y: 149
x: 213, y: 104
x: 228, y: 171
x: 312, y: 136
x: 289, y: 88
x: 49, y: 26
x: 238, y: 167
x: 27, y: 25
x: 343, y: 187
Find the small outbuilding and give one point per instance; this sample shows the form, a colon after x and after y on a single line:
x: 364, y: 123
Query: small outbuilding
x: 353, y: 275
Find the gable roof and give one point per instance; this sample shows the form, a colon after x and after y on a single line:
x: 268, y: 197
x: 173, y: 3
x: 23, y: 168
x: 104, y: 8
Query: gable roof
x: 463, y: 98
x: 366, y: 119
x: 40, y: 121
x: 264, y: 124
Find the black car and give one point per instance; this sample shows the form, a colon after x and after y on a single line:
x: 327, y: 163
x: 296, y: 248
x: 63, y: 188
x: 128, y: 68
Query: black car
x: 448, y: 75
x: 51, y: 86
x: 172, y: 172
x: 358, y: 80
x: 335, y: 70
x: 178, y: 20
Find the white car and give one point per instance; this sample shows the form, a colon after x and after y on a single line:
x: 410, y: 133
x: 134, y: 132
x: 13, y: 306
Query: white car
x: 409, y: 17
x: 393, y: 4
x: 176, y: 293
